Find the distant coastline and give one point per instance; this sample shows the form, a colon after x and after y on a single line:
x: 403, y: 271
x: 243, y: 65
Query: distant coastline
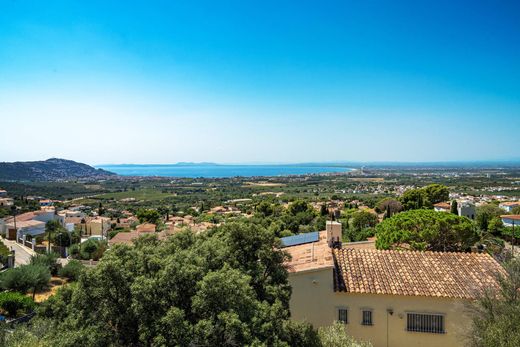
x: 212, y: 170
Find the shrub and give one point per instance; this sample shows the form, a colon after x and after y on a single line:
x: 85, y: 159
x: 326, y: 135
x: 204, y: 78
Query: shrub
x: 25, y: 277
x: 11, y: 302
x: 72, y: 270
x: 74, y: 250
x: 49, y: 260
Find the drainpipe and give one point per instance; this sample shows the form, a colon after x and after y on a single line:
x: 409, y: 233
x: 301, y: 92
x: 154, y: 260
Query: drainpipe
x: 390, y: 312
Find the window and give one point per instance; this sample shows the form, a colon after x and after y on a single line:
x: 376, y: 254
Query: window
x: 367, y: 317
x: 343, y: 315
x: 425, y: 323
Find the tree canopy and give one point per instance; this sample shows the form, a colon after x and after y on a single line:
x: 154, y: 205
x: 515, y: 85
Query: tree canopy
x: 426, y: 230
x: 496, y: 315
x: 227, y: 287
x: 424, y: 197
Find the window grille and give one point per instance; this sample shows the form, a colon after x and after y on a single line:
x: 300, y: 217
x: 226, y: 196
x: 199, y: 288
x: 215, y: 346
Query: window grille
x: 425, y: 323
x: 343, y: 315
x: 367, y: 317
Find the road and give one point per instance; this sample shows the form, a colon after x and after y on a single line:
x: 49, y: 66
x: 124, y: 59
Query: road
x: 22, y: 255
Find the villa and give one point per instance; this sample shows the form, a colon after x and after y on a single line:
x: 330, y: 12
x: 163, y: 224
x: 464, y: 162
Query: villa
x: 390, y: 298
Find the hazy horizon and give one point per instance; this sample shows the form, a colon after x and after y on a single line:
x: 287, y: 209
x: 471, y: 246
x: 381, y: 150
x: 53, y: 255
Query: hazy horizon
x: 239, y: 82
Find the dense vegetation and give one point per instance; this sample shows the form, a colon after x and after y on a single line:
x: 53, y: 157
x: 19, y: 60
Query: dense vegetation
x: 226, y: 287
x: 496, y: 319
x: 426, y: 230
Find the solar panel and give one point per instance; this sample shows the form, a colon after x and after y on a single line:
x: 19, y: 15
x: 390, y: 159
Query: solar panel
x: 300, y: 239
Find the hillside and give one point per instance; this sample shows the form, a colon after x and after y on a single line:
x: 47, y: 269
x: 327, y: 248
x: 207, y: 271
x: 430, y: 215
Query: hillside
x: 53, y: 169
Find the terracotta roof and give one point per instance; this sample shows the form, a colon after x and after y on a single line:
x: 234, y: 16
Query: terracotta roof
x: 510, y: 203
x: 511, y: 216
x: 145, y: 228
x: 22, y: 217
x: 26, y: 224
x: 443, y: 205
x: 124, y: 237
x: 438, y: 274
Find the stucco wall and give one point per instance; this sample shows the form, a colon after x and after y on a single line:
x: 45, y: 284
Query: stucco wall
x: 313, y: 299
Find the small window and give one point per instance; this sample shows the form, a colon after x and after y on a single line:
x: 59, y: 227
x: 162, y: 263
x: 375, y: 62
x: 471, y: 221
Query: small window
x: 367, y: 317
x: 343, y: 315
x: 425, y: 323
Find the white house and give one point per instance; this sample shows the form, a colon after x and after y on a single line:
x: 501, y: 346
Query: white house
x: 511, y: 219
x: 466, y: 209
x: 509, y: 206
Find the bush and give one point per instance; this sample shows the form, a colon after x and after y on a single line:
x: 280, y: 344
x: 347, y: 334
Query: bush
x: 92, y: 249
x: 336, y: 336
x: 49, y: 260
x: 72, y: 270
x: 11, y: 302
x: 4, y: 253
x: 74, y: 250
x: 25, y: 277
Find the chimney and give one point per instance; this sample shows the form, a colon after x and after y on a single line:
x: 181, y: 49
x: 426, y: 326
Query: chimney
x: 333, y: 230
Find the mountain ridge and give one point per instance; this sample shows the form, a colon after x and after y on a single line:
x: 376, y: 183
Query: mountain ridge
x: 52, y: 169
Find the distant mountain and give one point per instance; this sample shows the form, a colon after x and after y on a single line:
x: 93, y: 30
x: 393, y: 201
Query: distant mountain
x: 53, y: 169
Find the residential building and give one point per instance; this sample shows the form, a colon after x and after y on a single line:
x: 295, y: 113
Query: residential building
x: 442, y: 207
x: 509, y: 205
x: 124, y: 238
x: 466, y: 209
x: 6, y: 202
x: 97, y: 226
x: 3, y: 193
x: 510, y: 220
x: 146, y: 228
x: 390, y: 298
x: 46, y: 202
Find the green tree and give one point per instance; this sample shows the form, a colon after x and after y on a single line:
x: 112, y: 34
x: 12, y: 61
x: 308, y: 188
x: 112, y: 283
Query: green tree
x: 454, y: 207
x: 485, y: 213
x: 389, y: 206
x: 72, y: 270
x: 415, y: 199
x: 226, y: 287
x: 363, y: 220
x: 436, y: 193
x: 496, y: 314
x: 515, y: 210
x: 324, y: 211
x: 48, y: 260
x: 426, y: 230
x: 12, y: 302
x: 25, y: 278
x: 148, y: 215
x: 51, y: 228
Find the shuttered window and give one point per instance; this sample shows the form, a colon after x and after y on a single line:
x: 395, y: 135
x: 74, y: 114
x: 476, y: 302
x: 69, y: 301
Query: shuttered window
x: 425, y: 323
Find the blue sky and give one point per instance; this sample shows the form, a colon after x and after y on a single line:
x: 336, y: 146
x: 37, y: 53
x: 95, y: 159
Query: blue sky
x: 259, y: 81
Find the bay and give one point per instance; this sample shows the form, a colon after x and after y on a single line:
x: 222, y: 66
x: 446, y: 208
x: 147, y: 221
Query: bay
x: 220, y: 171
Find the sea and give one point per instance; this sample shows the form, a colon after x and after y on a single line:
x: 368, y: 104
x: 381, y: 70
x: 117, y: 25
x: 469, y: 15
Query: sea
x: 220, y: 171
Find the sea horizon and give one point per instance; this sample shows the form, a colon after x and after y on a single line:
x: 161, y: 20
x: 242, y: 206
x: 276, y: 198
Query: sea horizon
x: 211, y: 170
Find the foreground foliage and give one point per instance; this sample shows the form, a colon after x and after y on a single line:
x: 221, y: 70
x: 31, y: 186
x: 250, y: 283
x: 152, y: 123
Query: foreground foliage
x: 12, y: 302
x: 226, y: 287
x: 336, y: 336
x: 496, y: 319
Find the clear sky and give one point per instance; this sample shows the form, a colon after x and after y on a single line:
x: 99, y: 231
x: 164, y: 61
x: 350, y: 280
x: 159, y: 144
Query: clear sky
x: 259, y: 81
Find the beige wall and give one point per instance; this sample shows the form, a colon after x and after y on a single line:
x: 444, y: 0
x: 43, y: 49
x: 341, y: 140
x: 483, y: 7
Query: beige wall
x: 313, y: 299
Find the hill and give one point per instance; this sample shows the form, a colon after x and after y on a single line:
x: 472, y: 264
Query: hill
x: 53, y: 169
